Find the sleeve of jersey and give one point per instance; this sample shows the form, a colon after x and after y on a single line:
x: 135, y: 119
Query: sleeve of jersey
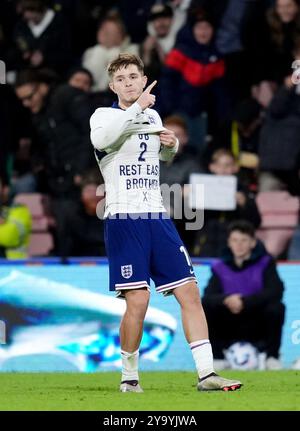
x: 167, y: 153
x: 108, y: 125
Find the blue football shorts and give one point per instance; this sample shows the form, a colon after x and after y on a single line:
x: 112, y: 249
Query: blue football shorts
x: 142, y: 248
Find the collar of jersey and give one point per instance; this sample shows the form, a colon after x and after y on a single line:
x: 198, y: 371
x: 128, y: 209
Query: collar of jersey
x: 116, y: 106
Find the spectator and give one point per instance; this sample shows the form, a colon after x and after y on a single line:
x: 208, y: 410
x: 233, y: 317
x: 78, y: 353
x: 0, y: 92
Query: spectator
x: 60, y: 117
x: 211, y: 239
x: 15, y: 166
x: 279, y: 146
x: 284, y: 26
x: 163, y: 24
x: 42, y: 38
x: 246, y: 128
x: 111, y: 41
x: 15, y: 228
x: 81, y: 78
x: 243, y: 298
x: 83, y: 230
x: 192, y: 80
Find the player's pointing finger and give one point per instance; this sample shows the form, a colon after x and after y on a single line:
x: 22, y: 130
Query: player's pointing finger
x: 149, y: 88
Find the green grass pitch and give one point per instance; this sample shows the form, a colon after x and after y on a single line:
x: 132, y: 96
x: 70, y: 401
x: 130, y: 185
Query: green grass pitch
x: 263, y: 390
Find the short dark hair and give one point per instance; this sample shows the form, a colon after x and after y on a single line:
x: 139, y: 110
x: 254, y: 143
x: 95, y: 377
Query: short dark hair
x: 33, y: 76
x: 160, y: 11
x: 124, y: 60
x: 80, y: 69
x: 242, y: 226
x: 34, y: 5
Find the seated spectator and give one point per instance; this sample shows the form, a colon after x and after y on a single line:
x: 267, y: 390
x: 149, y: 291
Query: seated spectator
x: 60, y: 118
x: 279, y: 146
x: 15, y: 228
x: 42, y: 38
x: 246, y: 127
x: 83, y: 230
x: 192, y: 80
x: 111, y: 41
x: 163, y: 24
x: 15, y: 143
x: 211, y: 239
x: 284, y: 29
x: 243, y: 298
x: 81, y: 78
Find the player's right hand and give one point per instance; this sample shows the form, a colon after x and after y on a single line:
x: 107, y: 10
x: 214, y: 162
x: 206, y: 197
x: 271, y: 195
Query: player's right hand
x: 146, y: 99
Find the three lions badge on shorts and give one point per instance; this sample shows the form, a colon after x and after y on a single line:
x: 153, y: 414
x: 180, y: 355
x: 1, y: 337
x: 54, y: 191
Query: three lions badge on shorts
x: 126, y: 271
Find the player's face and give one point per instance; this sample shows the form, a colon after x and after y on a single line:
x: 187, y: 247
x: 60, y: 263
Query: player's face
x: 128, y: 83
x: 241, y: 244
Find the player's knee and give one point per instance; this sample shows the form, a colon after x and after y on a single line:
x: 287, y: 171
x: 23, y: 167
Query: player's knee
x: 189, y: 296
x: 137, y: 302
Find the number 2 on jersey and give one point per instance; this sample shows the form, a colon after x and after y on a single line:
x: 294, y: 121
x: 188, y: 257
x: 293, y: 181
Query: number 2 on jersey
x: 143, y: 146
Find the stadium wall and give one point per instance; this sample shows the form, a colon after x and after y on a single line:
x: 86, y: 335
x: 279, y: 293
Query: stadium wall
x: 90, y: 275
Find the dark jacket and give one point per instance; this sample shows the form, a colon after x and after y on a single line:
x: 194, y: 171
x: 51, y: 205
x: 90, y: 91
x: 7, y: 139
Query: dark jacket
x: 83, y: 234
x: 193, y: 75
x: 62, y: 129
x: 279, y: 146
x: 272, y: 290
x: 54, y: 43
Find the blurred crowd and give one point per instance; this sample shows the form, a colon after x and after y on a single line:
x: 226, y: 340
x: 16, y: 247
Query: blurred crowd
x: 227, y: 85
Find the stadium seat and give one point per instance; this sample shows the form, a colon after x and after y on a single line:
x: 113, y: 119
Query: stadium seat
x: 41, y: 240
x: 38, y: 205
x: 280, y: 213
x: 41, y: 244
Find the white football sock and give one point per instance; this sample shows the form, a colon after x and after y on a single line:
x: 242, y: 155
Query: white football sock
x: 130, y: 365
x: 203, y: 357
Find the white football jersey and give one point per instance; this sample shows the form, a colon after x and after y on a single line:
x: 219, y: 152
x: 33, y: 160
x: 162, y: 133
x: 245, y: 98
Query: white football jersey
x: 130, y: 167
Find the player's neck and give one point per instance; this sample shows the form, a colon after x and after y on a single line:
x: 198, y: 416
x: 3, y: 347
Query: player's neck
x: 125, y: 105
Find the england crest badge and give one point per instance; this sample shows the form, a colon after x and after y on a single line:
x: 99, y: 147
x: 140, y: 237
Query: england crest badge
x: 126, y: 271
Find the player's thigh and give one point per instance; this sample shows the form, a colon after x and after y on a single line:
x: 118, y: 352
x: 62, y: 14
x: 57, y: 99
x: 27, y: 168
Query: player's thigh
x: 128, y: 253
x: 170, y: 261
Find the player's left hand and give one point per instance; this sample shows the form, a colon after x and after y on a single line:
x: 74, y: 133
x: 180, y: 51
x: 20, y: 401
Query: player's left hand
x: 168, y: 138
